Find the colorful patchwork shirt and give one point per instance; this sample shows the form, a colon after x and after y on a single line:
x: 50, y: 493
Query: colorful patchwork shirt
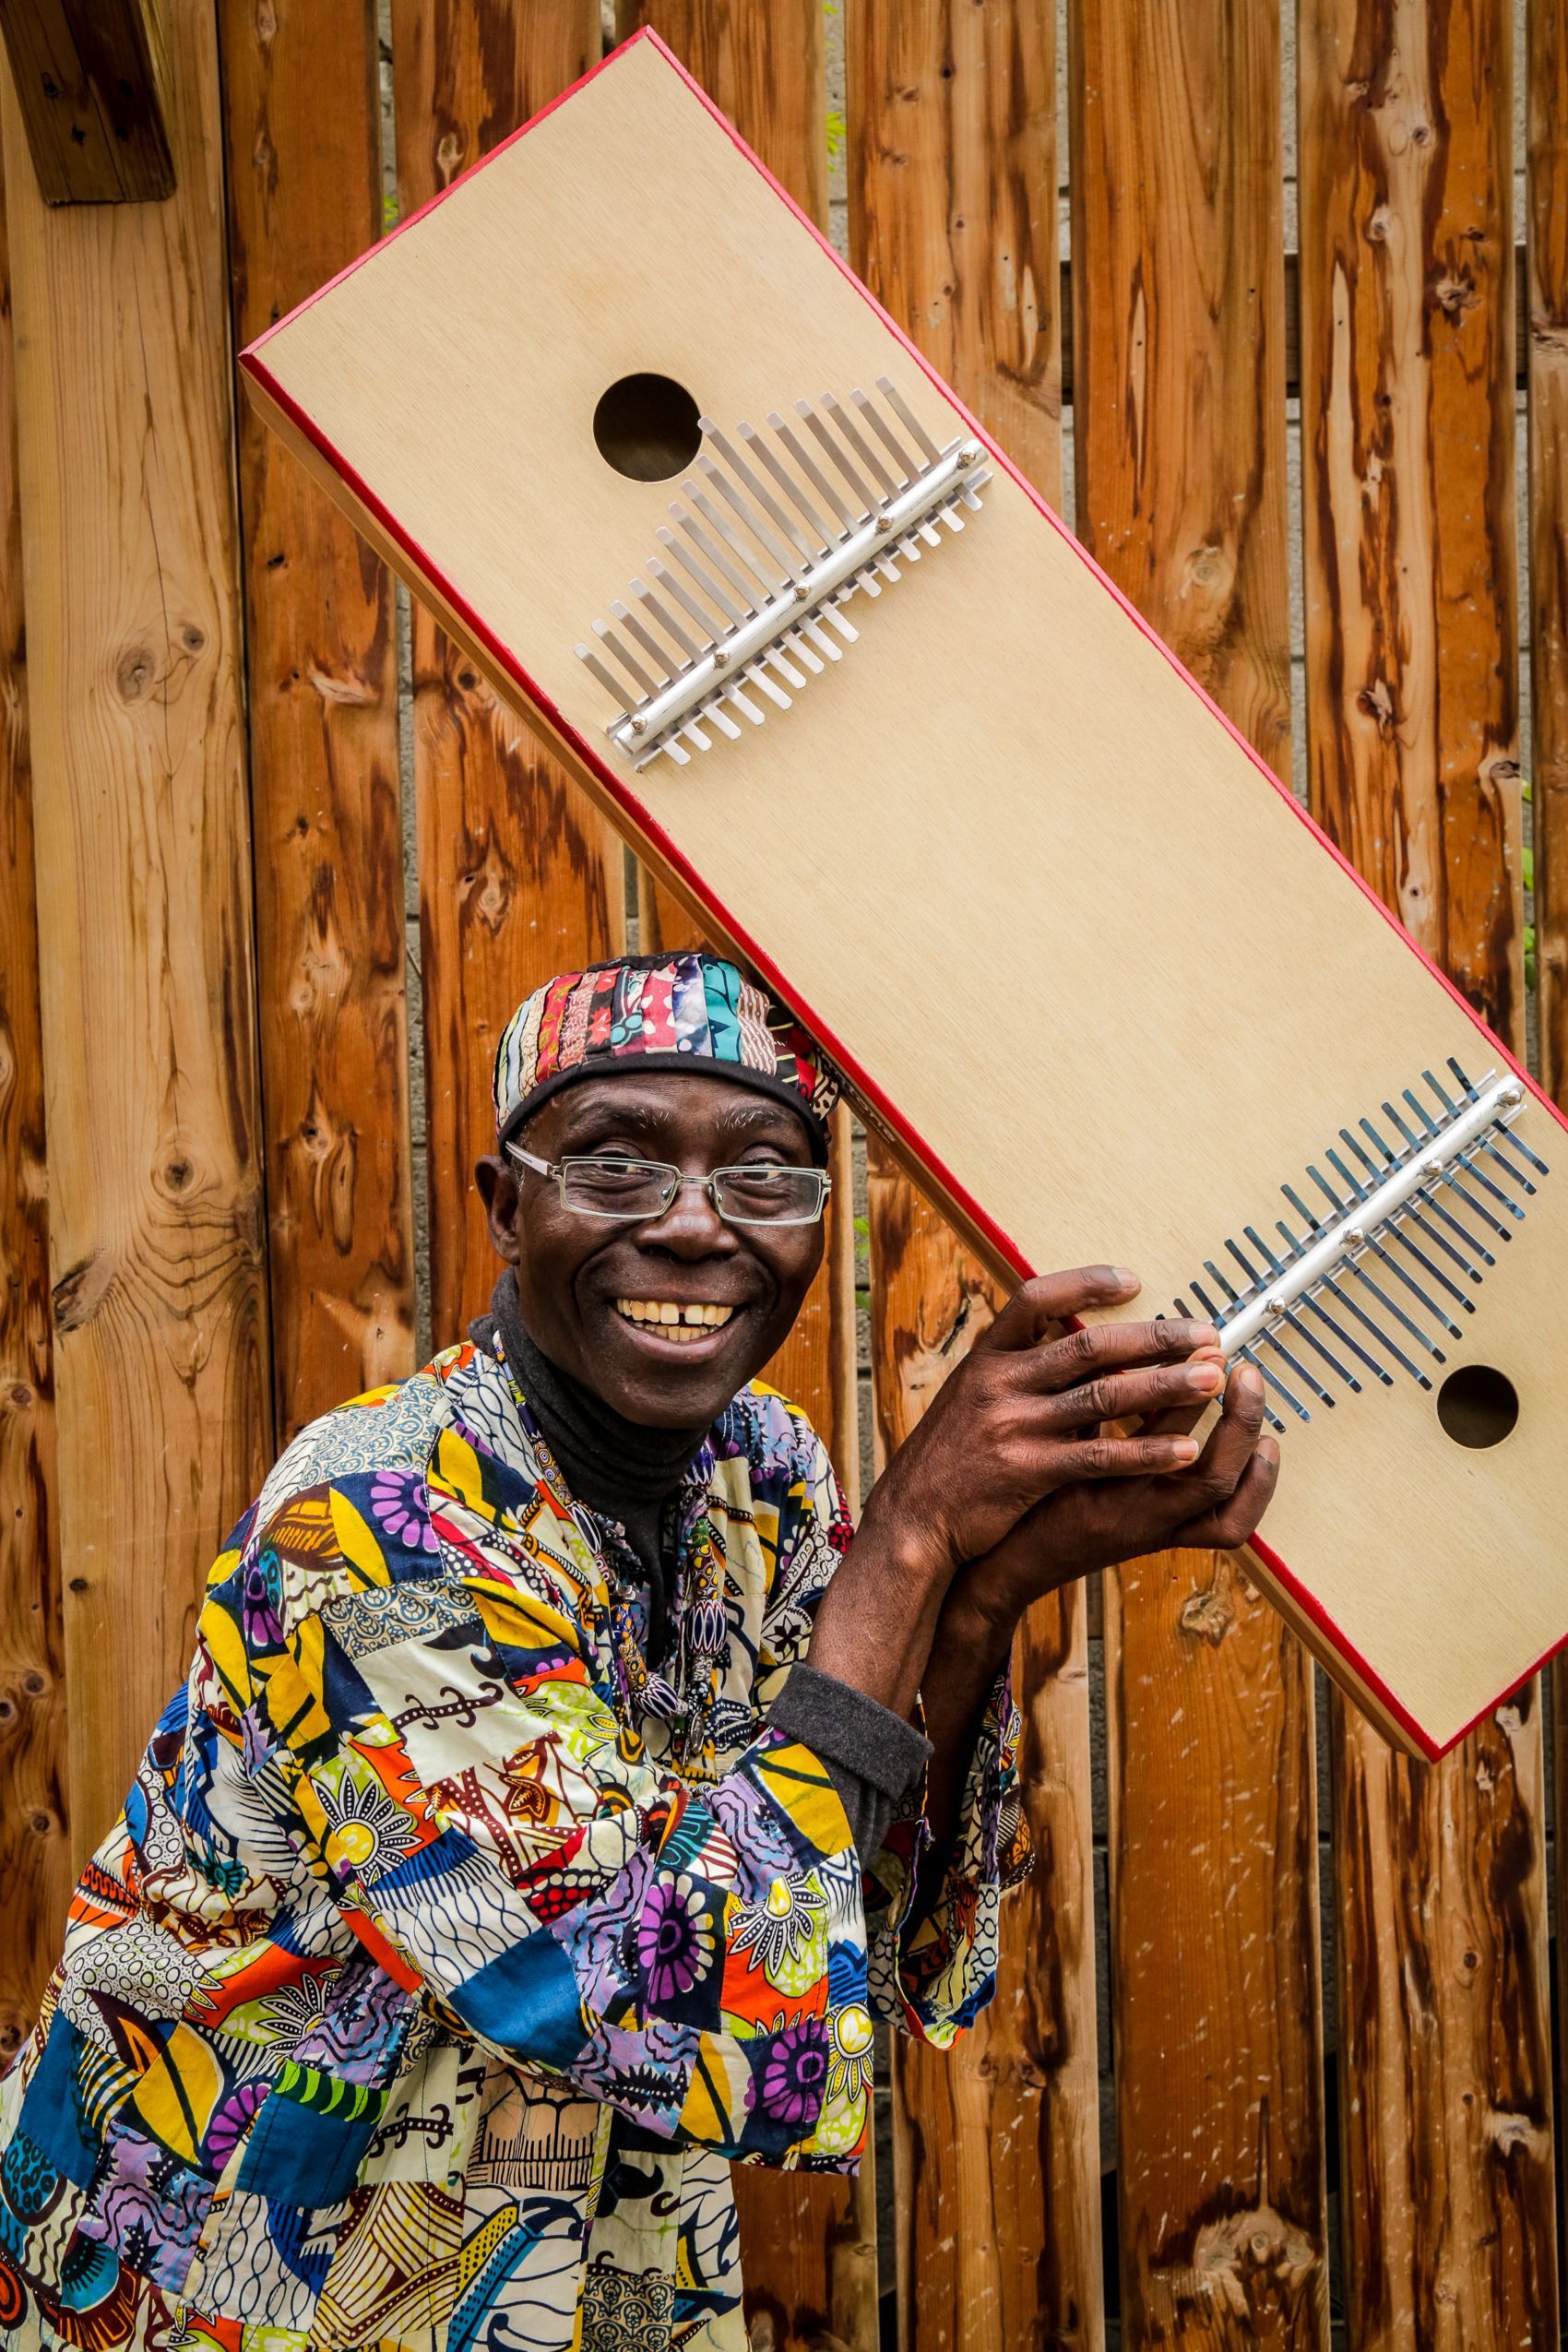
x: 444, y: 1955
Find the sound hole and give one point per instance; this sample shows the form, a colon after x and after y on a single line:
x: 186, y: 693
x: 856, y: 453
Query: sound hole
x: 646, y: 427
x: 1477, y: 1405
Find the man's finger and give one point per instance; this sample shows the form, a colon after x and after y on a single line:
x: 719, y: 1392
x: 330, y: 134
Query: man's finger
x: 1099, y: 1348
x: 1050, y: 1299
x: 1145, y: 1393
x: 1234, y: 1520
x: 1233, y: 1439
x: 1104, y: 1456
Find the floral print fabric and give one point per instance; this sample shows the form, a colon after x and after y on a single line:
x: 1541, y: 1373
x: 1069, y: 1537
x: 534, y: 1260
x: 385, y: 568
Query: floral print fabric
x: 443, y: 1958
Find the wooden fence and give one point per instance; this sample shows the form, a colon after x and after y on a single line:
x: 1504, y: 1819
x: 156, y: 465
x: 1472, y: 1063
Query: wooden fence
x: 237, y: 1106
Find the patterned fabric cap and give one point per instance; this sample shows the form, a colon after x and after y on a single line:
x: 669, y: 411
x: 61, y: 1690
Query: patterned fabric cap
x: 659, y: 1012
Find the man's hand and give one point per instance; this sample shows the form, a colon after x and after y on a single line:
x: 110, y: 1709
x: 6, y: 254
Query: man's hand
x: 1018, y: 1426
x: 1214, y: 1505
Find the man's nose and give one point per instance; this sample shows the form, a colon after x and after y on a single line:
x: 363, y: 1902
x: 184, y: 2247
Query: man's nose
x: 691, y: 1226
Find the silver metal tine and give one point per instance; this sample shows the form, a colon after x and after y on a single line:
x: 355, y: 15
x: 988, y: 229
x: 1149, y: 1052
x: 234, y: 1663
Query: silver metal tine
x: 823, y: 642
x: 1308, y: 1339
x: 758, y: 489
x: 676, y: 750
x: 787, y: 482
x: 796, y: 641
x: 812, y: 470
x: 1477, y: 1208
x: 639, y: 636
x: 786, y: 668
x: 759, y: 678
x: 673, y: 586
x: 634, y: 668
x: 1271, y: 1334
x: 744, y: 703
x: 835, y: 620
x: 771, y: 581
x: 1249, y: 1356
x: 862, y: 447
x: 885, y: 434
x: 714, y: 714
x: 716, y: 556
x: 907, y: 418
x: 786, y: 561
x: 693, y: 733
x: 694, y: 571
x: 658, y: 610
x: 597, y: 670
x: 840, y: 457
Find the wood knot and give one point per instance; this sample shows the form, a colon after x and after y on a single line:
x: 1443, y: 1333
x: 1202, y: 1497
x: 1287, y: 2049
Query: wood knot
x: 1208, y: 1616
x: 78, y: 1294
x: 136, y: 673
x: 193, y: 639
x: 34, y: 1684
x: 20, y: 1398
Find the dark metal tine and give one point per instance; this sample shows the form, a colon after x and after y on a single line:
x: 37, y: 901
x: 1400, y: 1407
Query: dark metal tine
x: 1534, y: 1158
x: 1393, y: 1226
x: 1210, y: 1267
x: 907, y: 418
x: 639, y: 636
x: 666, y: 619
x: 1437, y: 1240
x: 1315, y: 1307
x: 715, y: 555
x: 1439, y: 1209
x: 839, y: 458
x: 812, y: 470
x: 1491, y: 1143
x: 1327, y: 1189
x: 1381, y: 1335
x: 861, y: 446
x: 787, y: 482
x: 1415, y: 1289
x: 1248, y: 1357
x: 1511, y: 1205
x: 782, y: 560
x: 1434, y: 1135
x: 1355, y: 1266
x: 694, y: 571
x: 758, y: 489
x: 634, y: 668
x: 666, y: 579
x: 1309, y: 1338
x: 1211, y: 1312
x: 1357, y: 1187
x: 885, y: 434
x: 1275, y: 1341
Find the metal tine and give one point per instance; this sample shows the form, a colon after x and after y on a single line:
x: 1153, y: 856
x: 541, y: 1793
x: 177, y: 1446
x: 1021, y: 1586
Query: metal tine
x: 950, y: 516
x: 1490, y: 1143
x: 1249, y: 1356
x: 1438, y: 1276
x: 661, y: 612
x: 885, y: 434
x: 1350, y: 1305
x: 683, y: 596
x: 1340, y: 1372
x: 1245, y: 1355
x: 840, y: 458
x: 1271, y: 1336
x: 759, y: 678
x: 634, y: 668
x: 1437, y: 1207
x: 1315, y: 1305
x: 676, y: 750
x: 1353, y: 1266
x: 786, y: 668
x: 786, y: 481
x: 907, y: 418
x: 835, y: 620
x: 699, y: 539
x: 781, y: 558
x: 781, y: 574
x: 812, y: 470
x: 796, y: 641
x: 1517, y: 1141
x: 694, y: 571
x: 744, y: 703
x: 862, y: 447
x: 1447, y: 1176
x: 596, y: 669
x: 1466, y: 1162
x: 812, y: 629
x: 1375, y: 1242
x: 711, y: 713
x: 758, y: 489
x: 693, y: 733
x: 639, y: 636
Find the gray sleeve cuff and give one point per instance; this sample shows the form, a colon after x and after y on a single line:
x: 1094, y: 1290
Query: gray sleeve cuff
x: 872, y: 1757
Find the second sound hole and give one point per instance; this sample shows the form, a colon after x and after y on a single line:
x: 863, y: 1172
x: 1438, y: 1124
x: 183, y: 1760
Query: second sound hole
x: 647, y: 427
x: 1477, y: 1405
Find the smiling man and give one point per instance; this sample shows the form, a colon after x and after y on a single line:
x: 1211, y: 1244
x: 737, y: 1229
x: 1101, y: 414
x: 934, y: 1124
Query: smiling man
x: 561, y: 1785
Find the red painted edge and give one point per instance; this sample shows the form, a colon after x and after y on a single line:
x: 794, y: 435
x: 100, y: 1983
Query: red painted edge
x: 250, y: 360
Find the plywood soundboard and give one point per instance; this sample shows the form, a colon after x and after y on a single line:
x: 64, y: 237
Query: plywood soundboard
x: 868, y: 708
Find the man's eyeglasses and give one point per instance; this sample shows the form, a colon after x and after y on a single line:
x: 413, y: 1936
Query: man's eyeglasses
x: 764, y: 1193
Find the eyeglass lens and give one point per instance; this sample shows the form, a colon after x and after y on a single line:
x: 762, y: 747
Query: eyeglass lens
x: 764, y: 1195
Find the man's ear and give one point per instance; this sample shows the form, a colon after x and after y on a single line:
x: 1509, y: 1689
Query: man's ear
x: 498, y: 1191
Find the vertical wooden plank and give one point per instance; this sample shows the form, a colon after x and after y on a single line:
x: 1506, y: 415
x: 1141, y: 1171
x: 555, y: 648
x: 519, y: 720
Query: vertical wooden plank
x: 34, y: 1819
x: 519, y: 878
x: 807, y: 2247
x: 1547, y: 234
x: 951, y: 150
x: 1408, y: 447
x: 126, y: 437
x: 302, y: 121
x: 1178, y: 412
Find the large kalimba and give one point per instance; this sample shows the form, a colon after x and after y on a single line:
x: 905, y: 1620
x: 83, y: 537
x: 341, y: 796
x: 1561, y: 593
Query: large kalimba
x: 617, y: 412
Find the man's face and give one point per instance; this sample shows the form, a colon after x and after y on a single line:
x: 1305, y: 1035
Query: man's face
x: 577, y: 1276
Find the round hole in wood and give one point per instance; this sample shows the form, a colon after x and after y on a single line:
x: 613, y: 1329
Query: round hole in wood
x: 1477, y: 1405
x: 647, y: 427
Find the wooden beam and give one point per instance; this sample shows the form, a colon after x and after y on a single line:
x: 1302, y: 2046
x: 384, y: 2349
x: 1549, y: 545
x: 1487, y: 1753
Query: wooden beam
x: 1407, y: 429
x: 951, y: 156
x: 91, y: 80
x: 302, y: 137
x: 1179, y: 420
x: 35, y: 1857
x: 126, y: 436
x: 519, y: 878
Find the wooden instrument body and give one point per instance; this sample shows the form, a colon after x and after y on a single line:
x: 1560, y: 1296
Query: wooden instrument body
x: 1076, y: 953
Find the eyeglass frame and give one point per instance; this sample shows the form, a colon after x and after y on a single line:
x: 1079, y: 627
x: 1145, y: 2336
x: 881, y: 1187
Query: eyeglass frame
x: 558, y: 1169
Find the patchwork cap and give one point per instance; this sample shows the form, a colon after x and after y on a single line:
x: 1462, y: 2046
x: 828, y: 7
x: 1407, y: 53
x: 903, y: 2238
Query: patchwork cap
x: 673, y: 1012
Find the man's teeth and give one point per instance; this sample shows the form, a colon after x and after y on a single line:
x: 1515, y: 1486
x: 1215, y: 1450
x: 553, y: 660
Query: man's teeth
x: 682, y: 1324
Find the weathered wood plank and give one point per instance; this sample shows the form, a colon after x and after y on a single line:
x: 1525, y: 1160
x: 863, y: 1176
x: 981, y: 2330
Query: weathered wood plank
x: 34, y: 1818
x: 92, y: 79
x: 519, y: 877
x: 807, y: 2247
x: 952, y: 157
x: 302, y: 119
x: 126, y: 437
x: 1180, y: 445
x: 1408, y: 431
